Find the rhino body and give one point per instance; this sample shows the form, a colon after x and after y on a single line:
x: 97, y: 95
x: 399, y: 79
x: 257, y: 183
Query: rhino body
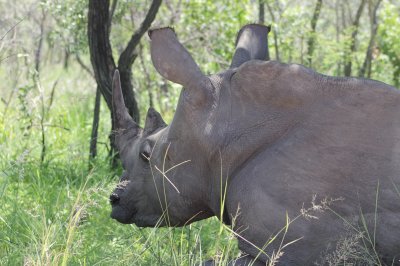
x: 261, y: 143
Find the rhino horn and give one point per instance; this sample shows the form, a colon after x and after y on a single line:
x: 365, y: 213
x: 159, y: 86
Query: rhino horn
x: 174, y: 62
x: 153, y: 122
x: 251, y: 43
x: 123, y: 122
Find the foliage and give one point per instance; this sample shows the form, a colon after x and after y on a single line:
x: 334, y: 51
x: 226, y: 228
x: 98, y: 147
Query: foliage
x: 389, y: 38
x: 70, y: 25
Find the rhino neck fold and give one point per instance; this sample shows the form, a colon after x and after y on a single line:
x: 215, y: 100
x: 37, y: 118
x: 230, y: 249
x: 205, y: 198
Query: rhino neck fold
x: 250, y: 116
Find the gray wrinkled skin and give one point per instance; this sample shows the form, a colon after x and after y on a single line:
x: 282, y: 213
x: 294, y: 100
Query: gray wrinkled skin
x: 283, y: 139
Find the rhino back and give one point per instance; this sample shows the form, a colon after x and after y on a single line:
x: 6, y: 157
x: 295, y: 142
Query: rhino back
x: 269, y: 101
x: 334, y: 138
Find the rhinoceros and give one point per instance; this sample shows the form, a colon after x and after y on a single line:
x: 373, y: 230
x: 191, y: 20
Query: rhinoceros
x: 295, y: 161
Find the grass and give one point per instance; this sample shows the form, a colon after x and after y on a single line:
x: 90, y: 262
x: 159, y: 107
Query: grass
x: 60, y: 216
x: 56, y: 212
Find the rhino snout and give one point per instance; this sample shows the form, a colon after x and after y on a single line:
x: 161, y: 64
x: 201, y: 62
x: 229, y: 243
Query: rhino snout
x: 114, y: 198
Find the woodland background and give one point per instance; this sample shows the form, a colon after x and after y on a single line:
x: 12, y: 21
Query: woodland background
x: 57, y: 165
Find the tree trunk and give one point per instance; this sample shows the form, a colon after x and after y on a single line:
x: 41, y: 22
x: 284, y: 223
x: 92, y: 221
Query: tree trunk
x: 38, y: 53
x: 275, y: 33
x: 102, y: 59
x: 96, y: 114
x: 348, y: 57
x: 311, y: 39
x: 100, y: 48
x: 366, y: 67
x: 261, y: 12
x: 67, y: 54
x: 95, y: 126
x: 396, y: 77
x: 337, y: 21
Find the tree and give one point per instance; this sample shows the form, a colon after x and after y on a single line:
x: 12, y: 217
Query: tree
x: 274, y: 31
x: 101, y: 57
x: 366, y: 67
x: 261, y: 12
x: 389, y: 44
x: 311, y: 39
x: 356, y: 23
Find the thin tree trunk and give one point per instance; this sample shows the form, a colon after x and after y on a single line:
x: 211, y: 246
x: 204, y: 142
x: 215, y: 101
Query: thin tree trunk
x: 83, y: 65
x: 366, y: 67
x: 261, y: 20
x: 337, y: 17
x: 66, y: 58
x: 396, y: 77
x: 38, y: 52
x: 112, y: 11
x: 311, y: 39
x: 95, y: 127
x: 275, y: 33
x: 356, y: 23
x: 261, y: 12
x: 96, y: 115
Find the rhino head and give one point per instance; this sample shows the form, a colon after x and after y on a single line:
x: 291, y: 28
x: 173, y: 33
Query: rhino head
x: 170, y: 171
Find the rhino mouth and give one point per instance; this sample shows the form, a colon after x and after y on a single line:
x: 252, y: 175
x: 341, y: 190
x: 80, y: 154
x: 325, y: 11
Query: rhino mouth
x: 125, y: 216
x: 122, y: 214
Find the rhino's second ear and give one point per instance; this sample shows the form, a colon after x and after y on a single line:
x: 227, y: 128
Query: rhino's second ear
x: 153, y: 122
x: 251, y: 43
x: 175, y: 63
x: 124, y: 125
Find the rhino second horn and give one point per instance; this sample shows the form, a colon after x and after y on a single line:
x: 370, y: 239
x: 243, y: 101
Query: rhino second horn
x: 251, y: 43
x: 123, y: 122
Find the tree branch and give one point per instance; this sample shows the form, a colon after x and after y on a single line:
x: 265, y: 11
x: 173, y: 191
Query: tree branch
x: 10, y: 29
x: 347, y: 67
x: 112, y: 11
x: 366, y: 67
x: 83, y: 65
x: 261, y: 13
x: 95, y: 127
x: 275, y: 33
x: 129, y: 55
x: 38, y: 52
x: 311, y: 40
x: 100, y: 48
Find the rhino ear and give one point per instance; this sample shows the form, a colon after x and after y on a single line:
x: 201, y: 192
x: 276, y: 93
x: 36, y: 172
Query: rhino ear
x: 175, y: 63
x: 251, y: 43
x: 153, y: 122
x: 124, y: 125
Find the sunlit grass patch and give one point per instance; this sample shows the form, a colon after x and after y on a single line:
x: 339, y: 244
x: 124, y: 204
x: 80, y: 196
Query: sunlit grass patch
x: 48, y: 223
x: 57, y: 212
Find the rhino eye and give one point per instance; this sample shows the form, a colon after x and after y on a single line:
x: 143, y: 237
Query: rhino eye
x: 145, y: 151
x: 145, y: 156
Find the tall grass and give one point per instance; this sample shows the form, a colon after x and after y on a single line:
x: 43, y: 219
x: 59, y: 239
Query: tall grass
x: 61, y: 217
